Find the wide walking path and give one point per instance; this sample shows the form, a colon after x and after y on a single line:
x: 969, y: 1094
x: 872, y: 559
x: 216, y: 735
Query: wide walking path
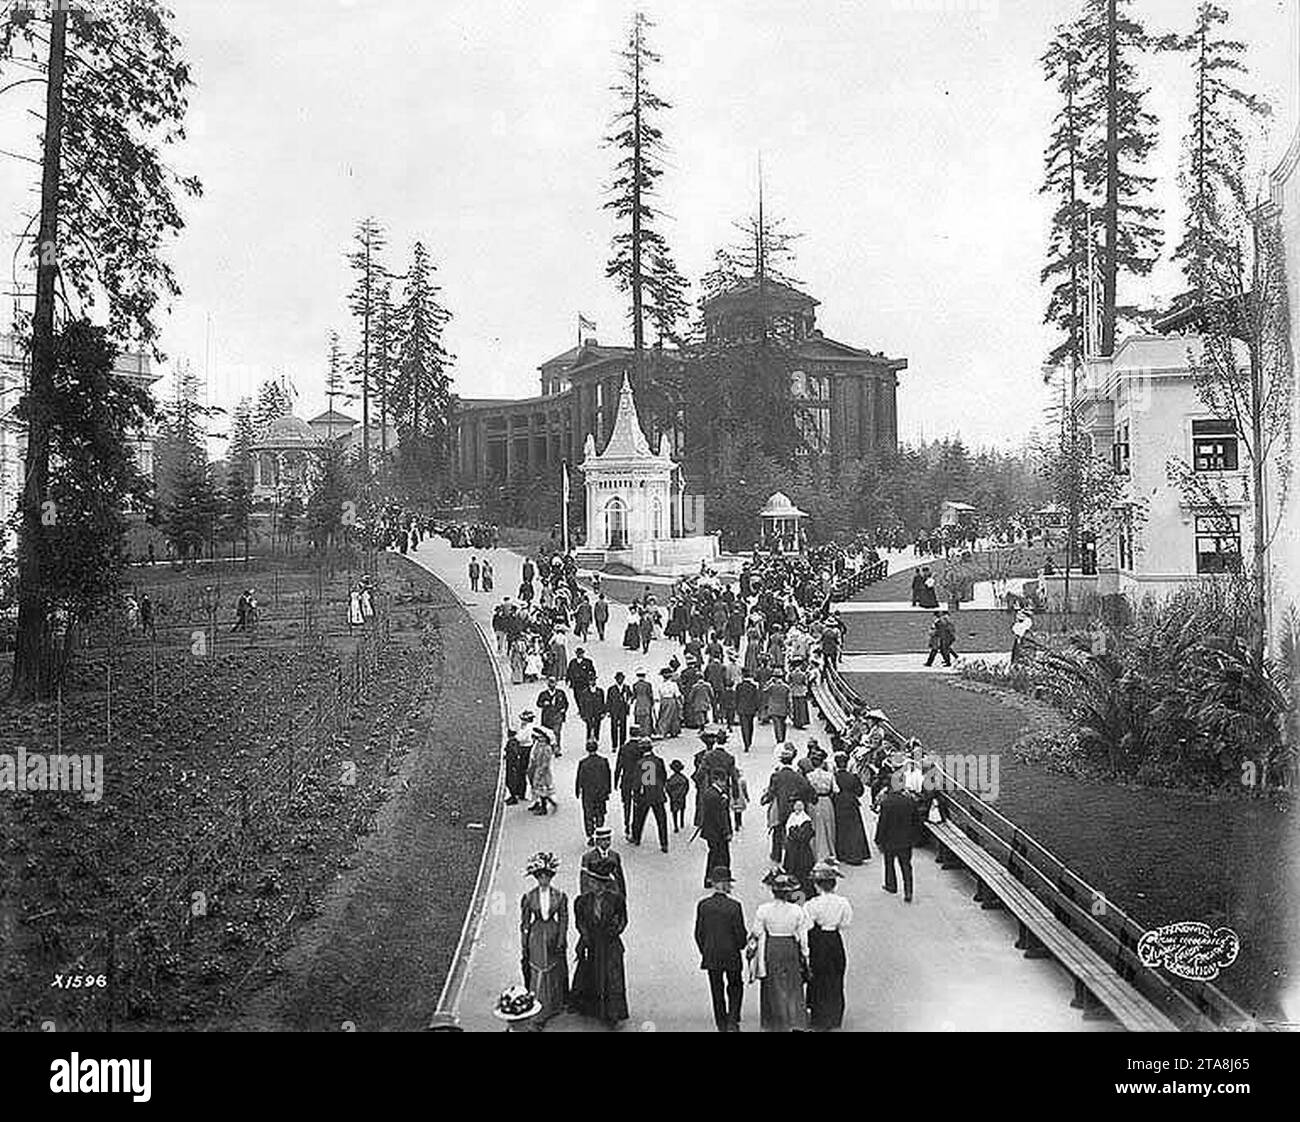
x: 939, y: 963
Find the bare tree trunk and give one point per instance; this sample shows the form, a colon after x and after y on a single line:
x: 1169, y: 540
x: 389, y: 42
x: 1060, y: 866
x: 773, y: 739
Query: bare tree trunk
x: 1110, y: 277
x: 31, y: 654
x: 638, y: 331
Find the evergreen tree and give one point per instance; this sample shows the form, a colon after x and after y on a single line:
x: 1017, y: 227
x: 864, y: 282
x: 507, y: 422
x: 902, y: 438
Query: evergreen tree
x: 273, y: 402
x: 290, y: 518
x: 363, y: 301
x: 642, y: 264
x: 1214, y: 177
x: 325, y: 504
x: 1067, y: 253
x: 243, y: 435
x: 385, y: 329
x: 336, y: 388
x: 237, y: 508
x: 421, y: 384
x: 1110, y: 41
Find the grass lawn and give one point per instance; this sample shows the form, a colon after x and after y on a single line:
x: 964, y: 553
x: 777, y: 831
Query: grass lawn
x: 978, y: 630
x: 898, y: 585
x: 1161, y: 855
x: 240, y: 786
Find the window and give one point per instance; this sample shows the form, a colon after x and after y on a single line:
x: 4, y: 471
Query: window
x: 1218, y: 543
x: 1214, y: 446
x: 814, y: 426
x: 1120, y: 450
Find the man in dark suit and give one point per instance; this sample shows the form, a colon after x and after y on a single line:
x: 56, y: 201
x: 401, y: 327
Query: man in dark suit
x: 600, y: 615
x: 618, y: 698
x: 715, y: 822
x: 720, y: 935
x: 785, y: 786
x: 896, y: 833
x: 592, y: 788
x: 650, y: 795
x: 627, y: 777
x: 748, y: 700
x: 553, y: 705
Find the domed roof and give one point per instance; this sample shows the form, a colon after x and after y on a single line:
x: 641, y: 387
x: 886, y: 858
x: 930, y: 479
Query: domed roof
x: 780, y: 506
x: 289, y: 432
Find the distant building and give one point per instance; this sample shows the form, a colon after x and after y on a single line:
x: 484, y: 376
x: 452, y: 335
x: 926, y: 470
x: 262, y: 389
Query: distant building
x: 844, y: 398
x: 332, y: 424
x: 135, y: 366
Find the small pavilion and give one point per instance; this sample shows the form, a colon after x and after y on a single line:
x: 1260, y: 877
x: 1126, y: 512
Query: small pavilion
x: 286, y: 459
x: 631, y: 493
x: 783, y: 524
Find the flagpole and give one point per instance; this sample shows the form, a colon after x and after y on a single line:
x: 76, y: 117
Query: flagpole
x: 564, y: 503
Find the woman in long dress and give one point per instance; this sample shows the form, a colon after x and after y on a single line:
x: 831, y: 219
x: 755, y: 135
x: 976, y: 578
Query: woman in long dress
x: 643, y: 703
x: 533, y: 660
x: 823, y: 813
x: 779, y: 941
x: 544, y: 934
x: 827, y: 914
x: 850, y: 835
x: 539, y: 770
x: 632, y: 633
x: 669, y: 723
x: 518, y: 654
x: 799, y: 858
x: 600, y: 915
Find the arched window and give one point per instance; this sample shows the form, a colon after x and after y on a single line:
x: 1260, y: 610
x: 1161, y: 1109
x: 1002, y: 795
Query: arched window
x: 615, y: 524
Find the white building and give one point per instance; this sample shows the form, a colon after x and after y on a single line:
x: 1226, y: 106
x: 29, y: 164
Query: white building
x: 630, y: 496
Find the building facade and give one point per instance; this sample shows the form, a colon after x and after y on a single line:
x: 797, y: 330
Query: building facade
x: 134, y: 366
x: 844, y: 398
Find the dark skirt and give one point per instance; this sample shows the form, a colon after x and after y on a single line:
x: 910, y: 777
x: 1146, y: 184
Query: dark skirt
x: 599, y: 988
x: 850, y: 836
x: 781, y: 999
x: 826, y: 986
x: 632, y: 637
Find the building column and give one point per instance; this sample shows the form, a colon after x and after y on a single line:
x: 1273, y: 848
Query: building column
x: 510, y: 446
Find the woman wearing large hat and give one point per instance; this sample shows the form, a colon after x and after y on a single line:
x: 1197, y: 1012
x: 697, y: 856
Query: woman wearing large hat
x: 828, y: 913
x: 778, y: 953
x: 600, y: 915
x: 539, y: 769
x: 544, y: 932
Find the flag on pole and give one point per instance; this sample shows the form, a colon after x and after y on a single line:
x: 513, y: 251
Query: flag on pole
x: 585, y: 324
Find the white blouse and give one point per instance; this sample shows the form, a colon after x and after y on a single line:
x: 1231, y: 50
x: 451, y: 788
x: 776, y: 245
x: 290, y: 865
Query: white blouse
x: 830, y: 912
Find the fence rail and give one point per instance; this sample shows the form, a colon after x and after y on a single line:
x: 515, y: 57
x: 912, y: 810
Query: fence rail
x: 1086, y: 912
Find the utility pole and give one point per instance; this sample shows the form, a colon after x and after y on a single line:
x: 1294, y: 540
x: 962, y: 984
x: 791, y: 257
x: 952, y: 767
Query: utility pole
x: 30, y: 654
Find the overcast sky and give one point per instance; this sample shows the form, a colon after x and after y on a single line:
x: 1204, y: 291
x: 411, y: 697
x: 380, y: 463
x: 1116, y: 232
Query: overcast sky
x: 904, y: 138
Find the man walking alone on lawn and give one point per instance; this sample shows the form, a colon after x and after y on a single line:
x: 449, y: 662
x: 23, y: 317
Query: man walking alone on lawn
x: 473, y: 574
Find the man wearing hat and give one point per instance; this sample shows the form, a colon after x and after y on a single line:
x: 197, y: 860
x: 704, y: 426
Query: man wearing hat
x: 720, y: 935
x: 897, y: 830
x: 650, y: 794
x: 778, y: 702
x: 715, y: 820
x: 748, y: 702
x: 592, y: 788
x: 602, y: 850
x: 554, y: 705
x: 627, y: 775
x: 786, y: 785
x: 618, y: 700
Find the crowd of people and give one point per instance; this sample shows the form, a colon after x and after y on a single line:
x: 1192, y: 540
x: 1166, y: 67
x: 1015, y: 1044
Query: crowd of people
x: 730, y: 656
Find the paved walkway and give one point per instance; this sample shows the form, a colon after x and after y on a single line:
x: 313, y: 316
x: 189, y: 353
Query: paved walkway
x: 940, y: 963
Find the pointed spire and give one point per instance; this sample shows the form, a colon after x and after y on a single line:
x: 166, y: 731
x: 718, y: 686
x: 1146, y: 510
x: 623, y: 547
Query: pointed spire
x: 627, y: 439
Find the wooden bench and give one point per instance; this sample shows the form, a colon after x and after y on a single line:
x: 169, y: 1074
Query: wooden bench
x: 1096, y: 985
x: 1059, y: 914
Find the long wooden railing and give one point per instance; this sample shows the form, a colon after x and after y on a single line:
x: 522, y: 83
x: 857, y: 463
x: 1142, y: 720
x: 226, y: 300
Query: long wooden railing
x: 996, y: 850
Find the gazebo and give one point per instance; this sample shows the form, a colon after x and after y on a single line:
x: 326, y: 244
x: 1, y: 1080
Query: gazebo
x: 285, y: 460
x: 782, y: 523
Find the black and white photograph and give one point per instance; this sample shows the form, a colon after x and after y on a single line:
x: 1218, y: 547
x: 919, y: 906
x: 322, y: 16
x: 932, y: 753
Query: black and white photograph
x: 649, y: 516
